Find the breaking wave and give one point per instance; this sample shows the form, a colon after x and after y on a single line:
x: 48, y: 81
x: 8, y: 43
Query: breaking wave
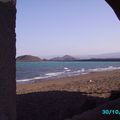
x: 68, y: 72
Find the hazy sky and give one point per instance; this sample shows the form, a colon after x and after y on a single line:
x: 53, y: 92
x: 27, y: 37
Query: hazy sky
x: 49, y: 28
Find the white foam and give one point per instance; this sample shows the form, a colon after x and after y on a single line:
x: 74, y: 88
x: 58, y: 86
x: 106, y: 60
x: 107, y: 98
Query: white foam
x: 24, y: 80
x: 47, y: 75
x: 65, y: 68
x: 54, y: 73
x: 68, y: 70
x: 110, y: 68
x: 40, y: 77
x: 82, y: 70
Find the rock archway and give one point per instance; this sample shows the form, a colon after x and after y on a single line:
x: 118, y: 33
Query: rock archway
x: 8, y: 53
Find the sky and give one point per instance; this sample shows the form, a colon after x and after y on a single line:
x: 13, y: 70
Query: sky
x: 49, y: 28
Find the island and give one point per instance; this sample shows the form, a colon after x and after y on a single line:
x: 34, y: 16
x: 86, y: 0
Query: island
x: 28, y: 58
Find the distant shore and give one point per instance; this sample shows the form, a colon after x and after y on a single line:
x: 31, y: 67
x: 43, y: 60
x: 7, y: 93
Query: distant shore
x: 98, y: 84
x: 65, y: 58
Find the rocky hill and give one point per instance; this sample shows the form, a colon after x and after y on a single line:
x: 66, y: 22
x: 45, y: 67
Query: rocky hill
x: 28, y: 58
x: 64, y: 58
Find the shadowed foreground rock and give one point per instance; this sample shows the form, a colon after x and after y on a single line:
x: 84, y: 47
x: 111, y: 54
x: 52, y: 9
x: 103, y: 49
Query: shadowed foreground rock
x: 95, y: 114
x: 53, y: 105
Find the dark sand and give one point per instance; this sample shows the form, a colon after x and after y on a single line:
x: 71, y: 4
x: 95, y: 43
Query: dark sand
x: 65, y: 97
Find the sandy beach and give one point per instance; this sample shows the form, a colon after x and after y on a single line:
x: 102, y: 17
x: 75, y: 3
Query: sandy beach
x: 63, y: 98
x: 95, y: 83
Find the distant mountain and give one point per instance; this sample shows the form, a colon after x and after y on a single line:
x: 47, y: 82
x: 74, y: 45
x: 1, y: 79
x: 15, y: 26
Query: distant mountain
x: 28, y: 58
x: 100, y: 56
x: 110, y: 55
x: 64, y: 58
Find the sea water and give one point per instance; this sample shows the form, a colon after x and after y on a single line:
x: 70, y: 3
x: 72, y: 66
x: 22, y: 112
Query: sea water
x: 29, y: 71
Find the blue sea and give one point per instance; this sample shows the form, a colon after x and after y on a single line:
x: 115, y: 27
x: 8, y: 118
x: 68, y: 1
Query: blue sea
x: 29, y: 71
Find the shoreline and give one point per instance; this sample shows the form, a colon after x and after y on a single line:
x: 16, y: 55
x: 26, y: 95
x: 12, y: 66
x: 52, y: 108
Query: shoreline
x: 98, y: 84
x: 32, y: 80
x: 65, y: 74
